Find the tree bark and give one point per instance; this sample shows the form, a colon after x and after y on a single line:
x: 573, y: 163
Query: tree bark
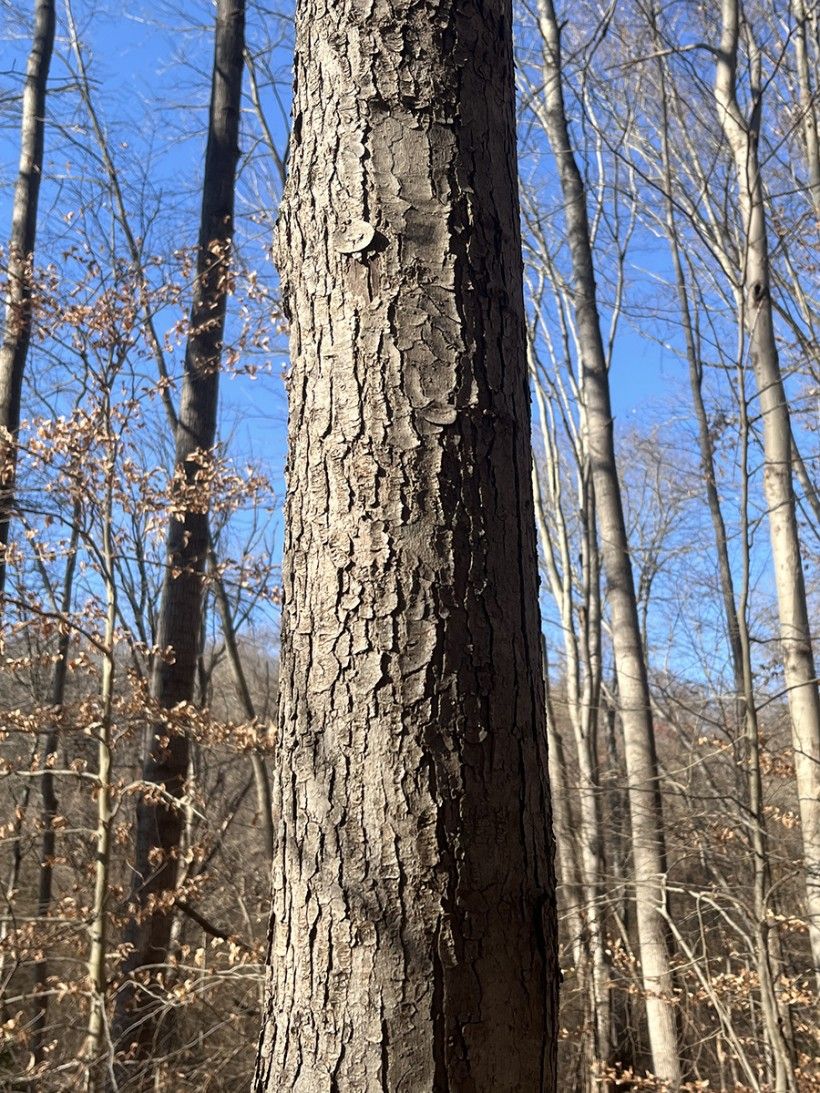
x: 159, y: 817
x: 742, y: 136
x: 413, y: 940
x: 737, y: 631
x: 48, y: 791
x: 96, y: 1048
x: 18, y: 310
x: 808, y: 108
x: 765, y: 933
x: 582, y: 675
x: 633, y: 688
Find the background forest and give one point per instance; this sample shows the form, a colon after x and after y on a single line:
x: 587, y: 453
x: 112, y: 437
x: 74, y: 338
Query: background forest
x: 669, y: 167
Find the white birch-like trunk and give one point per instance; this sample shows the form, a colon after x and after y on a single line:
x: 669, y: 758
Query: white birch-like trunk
x: 633, y: 689
x: 742, y: 136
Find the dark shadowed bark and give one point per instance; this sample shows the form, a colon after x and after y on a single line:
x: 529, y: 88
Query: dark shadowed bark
x: 159, y: 817
x: 413, y: 938
x: 17, y: 319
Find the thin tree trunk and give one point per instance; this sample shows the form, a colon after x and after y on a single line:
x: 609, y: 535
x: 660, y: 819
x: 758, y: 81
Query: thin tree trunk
x: 95, y: 1050
x: 9, y: 894
x: 738, y: 634
x: 633, y: 688
x: 761, y: 874
x: 810, y: 495
x: 261, y: 779
x: 49, y: 796
x: 413, y: 939
x: 742, y: 135
x: 740, y: 646
x: 582, y: 687
x: 18, y: 311
x: 133, y: 242
x: 806, y: 98
x: 566, y: 844
x: 159, y: 818
x: 572, y: 926
x: 595, y: 851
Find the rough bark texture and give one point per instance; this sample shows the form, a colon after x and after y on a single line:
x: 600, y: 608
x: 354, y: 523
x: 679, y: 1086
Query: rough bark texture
x: 633, y: 688
x: 413, y: 937
x: 17, y: 324
x: 742, y: 135
x: 160, y: 820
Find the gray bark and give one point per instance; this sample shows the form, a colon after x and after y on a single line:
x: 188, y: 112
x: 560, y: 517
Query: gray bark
x: 413, y: 939
x: 160, y: 821
x: 742, y: 136
x: 735, y: 615
x: 806, y: 97
x: 746, y: 710
x: 633, y: 688
x: 583, y: 670
x: 18, y: 304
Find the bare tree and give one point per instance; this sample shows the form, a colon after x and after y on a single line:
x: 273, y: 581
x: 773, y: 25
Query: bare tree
x: 565, y: 520
x: 18, y: 310
x: 633, y: 686
x: 48, y: 789
x: 742, y: 132
x: 159, y: 815
x: 96, y: 1043
x: 807, y: 99
x: 735, y: 614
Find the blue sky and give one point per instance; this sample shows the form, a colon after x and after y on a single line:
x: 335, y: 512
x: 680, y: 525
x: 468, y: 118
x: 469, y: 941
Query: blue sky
x: 150, y: 68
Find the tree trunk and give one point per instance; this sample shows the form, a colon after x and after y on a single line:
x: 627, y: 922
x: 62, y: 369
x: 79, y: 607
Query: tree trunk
x: 633, y: 688
x: 765, y: 936
x: 17, y: 326
x: 160, y: 818
x: 572, y: 926
x: 582, y: 674
x: 413, y: 940
x: 48, y: 792
x: 808, y: 108
x: 96, y: 1048
x: 735, y: 615
x: 261, y: 779
x: 795, y: 636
